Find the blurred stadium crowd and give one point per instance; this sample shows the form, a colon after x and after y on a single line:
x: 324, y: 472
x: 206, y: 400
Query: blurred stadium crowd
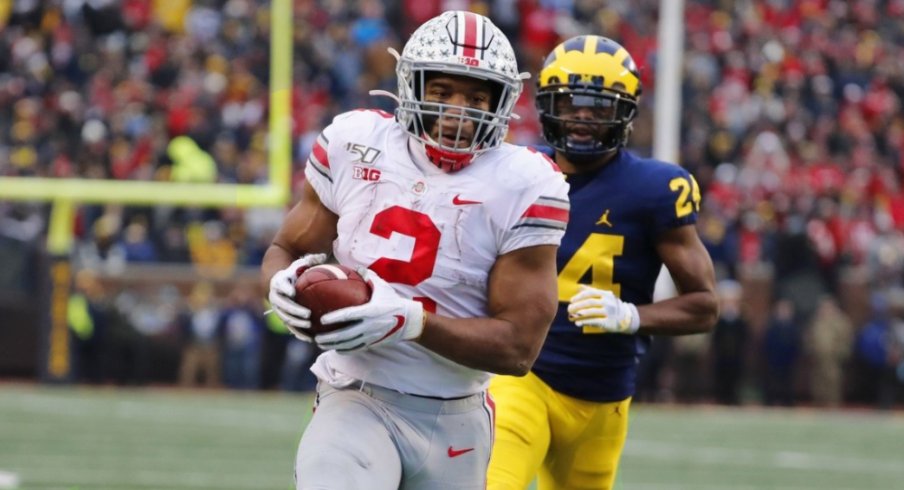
x: 792, y: 123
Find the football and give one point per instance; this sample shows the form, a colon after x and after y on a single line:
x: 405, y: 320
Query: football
x: 329, y: 287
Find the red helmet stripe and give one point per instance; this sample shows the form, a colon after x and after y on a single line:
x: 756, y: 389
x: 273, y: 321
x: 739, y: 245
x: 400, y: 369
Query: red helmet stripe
x: 469, y: 34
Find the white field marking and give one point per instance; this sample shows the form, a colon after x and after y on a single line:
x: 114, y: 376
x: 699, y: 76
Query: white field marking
x: 89, y: 477
x: 718, y: 486
x: 8, y: 480
x: 761, y: 458
x: 157, y: 412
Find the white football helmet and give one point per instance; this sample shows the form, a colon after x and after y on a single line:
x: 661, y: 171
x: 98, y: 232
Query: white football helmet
x: 457, y: 43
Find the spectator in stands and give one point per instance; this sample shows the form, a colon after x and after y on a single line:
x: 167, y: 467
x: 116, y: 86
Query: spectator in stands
x: 104, y: 251
x: 781, y: 346
x: 123, y: 341
x: 190, y: 162
x: 87, y: 315
x: 828, y: 341
x: 802, y: 99
x: 741, y: 104
x: 172, y: 244
x: 296, y: 372
x: 275, y: 342
x: 797, y: 275
x: 880, y: 353
x: 136, y: 243
x: 212, y: 253
x: 655, y: 378
x: 729, y: 344
x: 690, y: 356
x: 200, y: 364
x: 154, y: 319
x: 885, y: 254
x: 21, y: 227
x: 241, y: 328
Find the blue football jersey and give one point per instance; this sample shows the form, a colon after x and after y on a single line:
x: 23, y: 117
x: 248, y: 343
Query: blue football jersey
x: 616, y: 215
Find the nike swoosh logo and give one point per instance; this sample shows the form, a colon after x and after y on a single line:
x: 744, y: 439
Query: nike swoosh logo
x: 454, y: 453
x: 400, y: 320
x: 458, y: 201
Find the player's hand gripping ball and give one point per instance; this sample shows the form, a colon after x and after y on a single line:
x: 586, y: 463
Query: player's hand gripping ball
x: 329, y: 287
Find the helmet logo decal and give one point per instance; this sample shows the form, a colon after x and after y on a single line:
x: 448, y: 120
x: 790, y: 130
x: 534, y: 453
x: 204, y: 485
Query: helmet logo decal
x: 589, y: 60
x: 419, y: 187
x: 469, y: 36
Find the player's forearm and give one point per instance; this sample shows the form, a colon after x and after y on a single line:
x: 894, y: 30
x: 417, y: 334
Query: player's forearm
x: 487, y: 344
x: 688, y: 313
x: 521, y: 303
x: 275, y: 259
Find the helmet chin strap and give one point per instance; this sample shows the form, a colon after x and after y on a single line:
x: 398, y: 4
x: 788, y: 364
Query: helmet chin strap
x: 447, y: 161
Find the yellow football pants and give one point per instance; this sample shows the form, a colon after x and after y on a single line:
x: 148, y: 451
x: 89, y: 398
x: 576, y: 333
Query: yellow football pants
x: 569, y: 444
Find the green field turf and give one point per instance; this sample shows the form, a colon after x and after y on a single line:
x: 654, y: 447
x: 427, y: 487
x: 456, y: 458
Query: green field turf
x: 81, y: 438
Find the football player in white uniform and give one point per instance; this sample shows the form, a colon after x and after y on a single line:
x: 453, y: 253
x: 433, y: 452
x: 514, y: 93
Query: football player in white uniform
x: 457, y: 232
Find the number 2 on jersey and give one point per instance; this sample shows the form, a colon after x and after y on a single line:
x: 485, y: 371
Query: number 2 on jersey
x: 417, y: 225
x: 597, y: 254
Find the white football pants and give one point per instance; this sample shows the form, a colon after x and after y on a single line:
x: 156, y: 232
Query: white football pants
x: 369, y: 437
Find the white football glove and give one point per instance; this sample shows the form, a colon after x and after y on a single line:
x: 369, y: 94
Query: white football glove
x: 282, y: 294
x: 601, y: 309
x: 386, y: 318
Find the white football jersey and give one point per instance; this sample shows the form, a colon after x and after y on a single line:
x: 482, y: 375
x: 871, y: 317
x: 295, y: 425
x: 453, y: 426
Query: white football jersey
x: 433, y: 235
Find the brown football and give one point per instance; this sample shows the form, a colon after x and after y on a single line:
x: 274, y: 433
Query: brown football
x: 329, y: 287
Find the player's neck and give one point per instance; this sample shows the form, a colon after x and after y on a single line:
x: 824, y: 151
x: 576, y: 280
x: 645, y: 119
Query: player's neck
x: 573, y: 168
x: 419, y: 156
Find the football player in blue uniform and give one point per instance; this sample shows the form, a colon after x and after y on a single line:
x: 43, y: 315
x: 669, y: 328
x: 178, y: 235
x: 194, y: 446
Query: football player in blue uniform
x: 566, y: 421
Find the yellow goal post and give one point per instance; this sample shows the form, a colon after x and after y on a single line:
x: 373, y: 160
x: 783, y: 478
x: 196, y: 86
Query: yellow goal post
x: 66, y: 194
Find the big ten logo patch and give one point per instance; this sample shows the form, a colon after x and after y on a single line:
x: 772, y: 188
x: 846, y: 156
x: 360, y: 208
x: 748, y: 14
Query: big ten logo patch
x: 365, y: 154
x: 365, y: 173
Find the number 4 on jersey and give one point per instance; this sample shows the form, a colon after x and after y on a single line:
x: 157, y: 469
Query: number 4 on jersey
x: 597, y: 254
